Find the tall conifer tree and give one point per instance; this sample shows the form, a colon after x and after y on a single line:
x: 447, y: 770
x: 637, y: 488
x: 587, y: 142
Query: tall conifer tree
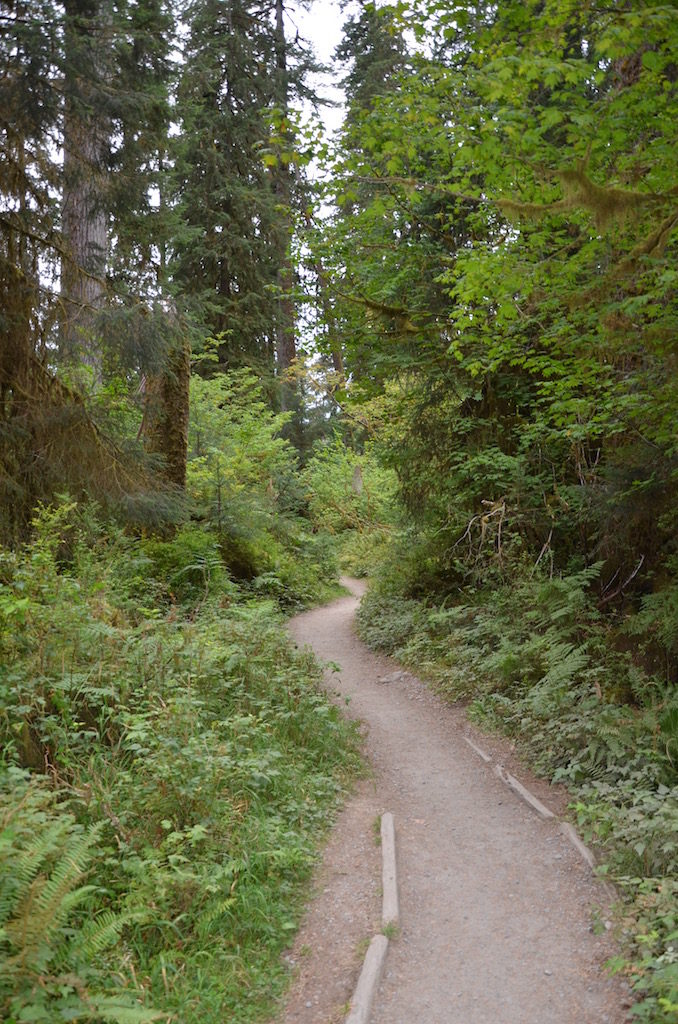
x: 78, y: 269
x: 285, y: 343
x: 235, y: 190
x: 223, y: 263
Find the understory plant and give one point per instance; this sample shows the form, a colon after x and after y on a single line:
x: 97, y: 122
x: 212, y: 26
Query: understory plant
x: 168, y: 764
x: 352, y: 502
x: 244, y: 480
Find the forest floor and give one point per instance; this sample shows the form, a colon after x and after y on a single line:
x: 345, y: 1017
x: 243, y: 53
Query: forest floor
x: 501, y: 921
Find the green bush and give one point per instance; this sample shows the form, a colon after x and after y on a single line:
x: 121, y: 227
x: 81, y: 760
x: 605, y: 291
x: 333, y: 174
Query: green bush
x: 185, y: 569
x: 245, y: 482
x: 193, y: 761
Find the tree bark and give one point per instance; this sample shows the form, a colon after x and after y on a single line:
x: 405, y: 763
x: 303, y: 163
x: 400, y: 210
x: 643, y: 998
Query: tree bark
x: 84, y: 216
x: 166, y: 412
x: 285, y: 342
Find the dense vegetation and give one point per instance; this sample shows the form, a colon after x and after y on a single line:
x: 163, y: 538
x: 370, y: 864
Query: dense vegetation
x: 168, y: 758
x: 177, y: 768
x: 446, y: 361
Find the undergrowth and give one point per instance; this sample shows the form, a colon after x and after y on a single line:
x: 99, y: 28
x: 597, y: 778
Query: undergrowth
x: 536, y: 660
x: 168, y: 763
x: 245, y: 487
x: 352, y: 504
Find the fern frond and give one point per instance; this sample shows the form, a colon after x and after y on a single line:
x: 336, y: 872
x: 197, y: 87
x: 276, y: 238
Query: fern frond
x: 103, y: 932
x: 28, y: 863
x: 565, y: 660
x: 212, y: 914
x: 41, y: 908
x: 53, y: 905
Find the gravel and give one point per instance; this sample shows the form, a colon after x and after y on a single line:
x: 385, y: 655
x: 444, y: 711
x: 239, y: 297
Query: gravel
x: 496, y: 906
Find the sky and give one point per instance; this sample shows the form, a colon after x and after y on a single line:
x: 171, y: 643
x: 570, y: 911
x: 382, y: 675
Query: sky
x: 321, y: 26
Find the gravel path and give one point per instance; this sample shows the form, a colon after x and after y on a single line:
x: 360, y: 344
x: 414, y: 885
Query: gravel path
x: 496, y: 907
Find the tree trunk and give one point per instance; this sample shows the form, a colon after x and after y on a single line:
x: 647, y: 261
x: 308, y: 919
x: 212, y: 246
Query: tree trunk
x: 86, y: 141
x: 285, y: 344
x: 166, y: 412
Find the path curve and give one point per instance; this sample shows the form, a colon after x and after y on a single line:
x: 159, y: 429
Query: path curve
x: 496, y: 907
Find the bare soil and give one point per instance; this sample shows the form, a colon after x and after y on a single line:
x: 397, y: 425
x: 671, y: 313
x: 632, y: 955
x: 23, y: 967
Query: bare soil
x: 500, y: 917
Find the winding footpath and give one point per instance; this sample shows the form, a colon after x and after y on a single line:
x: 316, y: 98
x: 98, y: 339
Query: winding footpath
x: 496, y: 907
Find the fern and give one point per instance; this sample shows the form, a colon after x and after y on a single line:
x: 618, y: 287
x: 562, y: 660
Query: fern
x: 102, y: 932
x: 58, y: 896
x: 658, y: 618
x: 48, y: 948
x: 29, y: 860
x: 215, y: 912
x: 566, y: 661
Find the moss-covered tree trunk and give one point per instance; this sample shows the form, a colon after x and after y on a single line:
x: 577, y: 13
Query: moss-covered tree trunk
x: 166, y: 412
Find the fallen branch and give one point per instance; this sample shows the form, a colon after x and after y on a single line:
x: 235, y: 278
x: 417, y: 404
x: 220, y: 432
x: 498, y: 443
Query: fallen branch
x: 545, y: 547
x: 623, y: 586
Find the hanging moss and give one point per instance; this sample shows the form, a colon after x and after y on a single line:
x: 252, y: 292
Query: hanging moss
x: 580, y: 192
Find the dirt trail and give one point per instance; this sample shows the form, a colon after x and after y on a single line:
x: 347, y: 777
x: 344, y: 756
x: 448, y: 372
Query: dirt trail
x: 496, y: 907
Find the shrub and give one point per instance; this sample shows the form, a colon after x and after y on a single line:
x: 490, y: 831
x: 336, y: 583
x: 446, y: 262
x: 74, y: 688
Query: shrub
x: 185, y: 569
x: 192, y: 761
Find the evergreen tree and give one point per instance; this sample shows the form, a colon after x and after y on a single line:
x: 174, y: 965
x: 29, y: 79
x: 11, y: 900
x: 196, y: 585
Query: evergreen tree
x: 223, y: 262
x: 374, y: 48
x: 68, y: 74
x: 145, y: 83
x: 392, y: 289
x: 236, y: 186
x: 285, y: 344
x: 29, y: 179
